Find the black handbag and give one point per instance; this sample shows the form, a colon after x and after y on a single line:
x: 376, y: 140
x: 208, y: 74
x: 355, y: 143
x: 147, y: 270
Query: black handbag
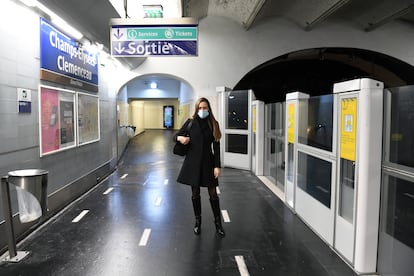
x: 180, y: 149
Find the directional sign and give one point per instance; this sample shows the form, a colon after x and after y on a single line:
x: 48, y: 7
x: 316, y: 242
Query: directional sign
x: 153, y: 37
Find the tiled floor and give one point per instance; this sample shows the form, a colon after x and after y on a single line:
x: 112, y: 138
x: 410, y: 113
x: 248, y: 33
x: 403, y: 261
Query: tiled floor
x: 139, y: 222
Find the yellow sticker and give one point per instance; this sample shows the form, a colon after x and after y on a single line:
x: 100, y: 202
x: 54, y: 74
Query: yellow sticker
x: 291, y: 123
x: 348, y: 128
x: 254, y: 119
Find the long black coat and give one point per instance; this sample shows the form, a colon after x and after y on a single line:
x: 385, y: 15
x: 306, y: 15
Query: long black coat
x: 202, y: 157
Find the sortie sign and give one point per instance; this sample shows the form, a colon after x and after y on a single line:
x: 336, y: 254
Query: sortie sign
x: 154, y: 37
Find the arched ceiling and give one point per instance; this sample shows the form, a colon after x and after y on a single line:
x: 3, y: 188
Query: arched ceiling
x: 368, y: 14
x: 315, y: 71
x: 92, y: 17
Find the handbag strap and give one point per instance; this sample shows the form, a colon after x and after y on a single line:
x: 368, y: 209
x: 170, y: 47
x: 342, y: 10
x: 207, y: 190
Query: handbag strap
x: 187, y: 129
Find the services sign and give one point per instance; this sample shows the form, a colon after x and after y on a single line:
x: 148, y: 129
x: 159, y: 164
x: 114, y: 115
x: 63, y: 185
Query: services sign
x: 65, y: 61
x: 154, y: 37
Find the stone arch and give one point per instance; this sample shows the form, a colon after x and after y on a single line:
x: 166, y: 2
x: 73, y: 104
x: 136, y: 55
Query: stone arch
x: 314, y: 71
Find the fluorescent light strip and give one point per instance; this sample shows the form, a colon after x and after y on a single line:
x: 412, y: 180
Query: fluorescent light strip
x: 80, y: 216
x: 158, y: 201
x: 56, y: 19
x: 108, y: 191
x: 241, y: 265
x: 145, y: 237
x: 225, y: 215
x: 124, y: 176
x: 29, y: 3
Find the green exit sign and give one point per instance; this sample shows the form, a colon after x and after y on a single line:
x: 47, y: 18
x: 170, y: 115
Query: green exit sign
x: 153, y: 11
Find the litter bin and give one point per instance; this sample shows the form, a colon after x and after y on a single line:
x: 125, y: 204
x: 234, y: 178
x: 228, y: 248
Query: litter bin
x: 31, y: 186
x: 131, y: 131
x: 133, y: 128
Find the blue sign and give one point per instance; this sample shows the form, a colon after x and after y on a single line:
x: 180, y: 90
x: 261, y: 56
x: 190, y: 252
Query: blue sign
x: 154, y: 48
x: 137, y: 39
x: 25, y: 107
x: 62, y: 55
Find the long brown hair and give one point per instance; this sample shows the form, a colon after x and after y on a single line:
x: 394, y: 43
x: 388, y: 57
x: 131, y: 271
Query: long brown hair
x: 211, y: 119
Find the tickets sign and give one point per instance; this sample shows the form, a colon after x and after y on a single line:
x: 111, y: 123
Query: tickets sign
x: 142, y: 38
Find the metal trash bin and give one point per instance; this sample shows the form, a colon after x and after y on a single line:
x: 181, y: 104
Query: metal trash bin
x: 31, y: 186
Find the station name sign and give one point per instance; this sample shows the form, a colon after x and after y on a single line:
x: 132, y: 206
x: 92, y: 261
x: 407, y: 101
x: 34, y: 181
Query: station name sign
x: 154, y: 37
x: 66, y: 61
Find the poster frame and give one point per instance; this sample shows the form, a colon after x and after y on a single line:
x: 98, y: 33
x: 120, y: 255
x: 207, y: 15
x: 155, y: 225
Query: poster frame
x: 55, y: 120
x: 95, y: 114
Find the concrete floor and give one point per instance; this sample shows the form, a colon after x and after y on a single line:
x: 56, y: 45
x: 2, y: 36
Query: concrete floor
x: 139, y: 221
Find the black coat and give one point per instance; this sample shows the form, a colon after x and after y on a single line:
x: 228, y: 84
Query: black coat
x: 202, y: 157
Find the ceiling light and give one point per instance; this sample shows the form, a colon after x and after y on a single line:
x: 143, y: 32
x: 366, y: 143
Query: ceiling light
x: 331, y: 9
x: 62, y: 24
x: 29, y: 3
x: 56, y: 19
x: 153, y: 11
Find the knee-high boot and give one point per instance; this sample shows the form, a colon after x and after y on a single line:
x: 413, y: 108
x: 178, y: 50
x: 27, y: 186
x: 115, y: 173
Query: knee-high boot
x: 197, y: 213
x: 215, y: 206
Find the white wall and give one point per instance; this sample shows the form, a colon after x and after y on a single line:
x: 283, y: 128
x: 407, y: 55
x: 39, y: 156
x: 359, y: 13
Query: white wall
x: 227, y: 52
x: 148, y: 114
x: 137, y: 116
x: 19, y: 133
x: 186, y: 93
x: 166, y: 89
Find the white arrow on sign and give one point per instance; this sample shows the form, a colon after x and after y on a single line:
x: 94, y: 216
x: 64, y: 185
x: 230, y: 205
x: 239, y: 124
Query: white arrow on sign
x: 119, y: 49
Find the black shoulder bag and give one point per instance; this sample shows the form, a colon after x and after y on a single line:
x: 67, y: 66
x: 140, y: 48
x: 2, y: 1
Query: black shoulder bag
x: 180, y: 149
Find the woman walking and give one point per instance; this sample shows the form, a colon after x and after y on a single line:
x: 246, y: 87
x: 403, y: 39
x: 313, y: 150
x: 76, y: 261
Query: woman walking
x: 201, y: 167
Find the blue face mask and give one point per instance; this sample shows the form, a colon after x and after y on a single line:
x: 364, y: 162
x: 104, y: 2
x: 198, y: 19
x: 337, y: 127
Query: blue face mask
x: 203, y: 113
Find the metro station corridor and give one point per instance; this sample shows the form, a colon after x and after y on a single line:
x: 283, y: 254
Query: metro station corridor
x: 139, y: 221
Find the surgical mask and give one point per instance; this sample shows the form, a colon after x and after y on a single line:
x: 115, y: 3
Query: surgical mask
x: 203, y: 113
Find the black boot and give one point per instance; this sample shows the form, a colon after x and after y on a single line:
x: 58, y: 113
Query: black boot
x: 197, y: 213
x: 215, y: 206
x: 197, y: 225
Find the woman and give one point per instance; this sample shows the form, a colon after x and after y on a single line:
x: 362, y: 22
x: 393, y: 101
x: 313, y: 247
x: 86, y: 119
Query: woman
x: 201, y: 167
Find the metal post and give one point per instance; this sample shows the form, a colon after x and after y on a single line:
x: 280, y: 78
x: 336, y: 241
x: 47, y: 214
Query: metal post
x: 14, y: 255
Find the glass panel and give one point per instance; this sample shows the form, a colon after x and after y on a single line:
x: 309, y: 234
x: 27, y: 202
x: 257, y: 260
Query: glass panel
x: 280, y: 162
x: 316, y: 122
x: 269, y: 164
x: 314, y: 177
x: 347, y: 187
x: 399, y: 218
x: 396, y: 237
x: 396, y: 243
x: 238, y: 110
x: 280, y: 117
x: 254, y: 144
x: 275, y: 143
x: 236, y: 143
x: 272, y: 116
x: 280, y: 143
x: 290, y: 163
x: 270, y: 159
x: 402, y: 126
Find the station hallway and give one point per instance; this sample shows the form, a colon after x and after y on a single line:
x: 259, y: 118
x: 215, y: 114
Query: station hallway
x: 139, y: 221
